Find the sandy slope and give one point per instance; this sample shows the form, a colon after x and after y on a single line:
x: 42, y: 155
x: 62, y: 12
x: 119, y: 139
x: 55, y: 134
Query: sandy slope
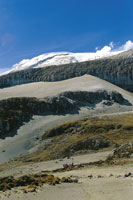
x: 54, y: 164
x: 115, y: 187
x: 98, y: 189
x: 44, y: 89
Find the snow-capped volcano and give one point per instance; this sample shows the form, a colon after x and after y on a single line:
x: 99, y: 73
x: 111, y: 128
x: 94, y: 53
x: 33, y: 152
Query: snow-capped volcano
x: 60, y: 58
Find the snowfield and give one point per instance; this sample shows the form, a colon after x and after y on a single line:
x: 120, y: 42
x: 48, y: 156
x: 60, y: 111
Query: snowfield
x: 60, y: 58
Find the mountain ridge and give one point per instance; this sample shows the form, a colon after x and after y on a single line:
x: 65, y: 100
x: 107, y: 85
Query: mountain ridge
x: 59, y: 58
x: 116, y: 69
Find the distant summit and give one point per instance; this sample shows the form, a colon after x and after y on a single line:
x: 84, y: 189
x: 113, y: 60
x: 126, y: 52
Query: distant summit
x: 60, y: 58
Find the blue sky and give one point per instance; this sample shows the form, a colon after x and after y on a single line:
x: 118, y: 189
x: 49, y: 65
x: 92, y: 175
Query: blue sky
x: 29, y: 28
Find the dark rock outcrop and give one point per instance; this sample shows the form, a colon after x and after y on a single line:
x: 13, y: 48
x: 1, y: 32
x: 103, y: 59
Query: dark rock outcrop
x: 91, y: 143
x: 15, y: 111
x: 124, y: 151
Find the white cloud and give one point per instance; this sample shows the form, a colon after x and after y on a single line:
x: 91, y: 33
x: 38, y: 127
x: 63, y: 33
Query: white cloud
x: 111, y: 44
x: 111, y: 48
x: 127, y: 46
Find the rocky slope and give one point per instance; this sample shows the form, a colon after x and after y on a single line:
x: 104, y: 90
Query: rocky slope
x: 15, y: 111
x: 117, y: 70
x: 84, y: 136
